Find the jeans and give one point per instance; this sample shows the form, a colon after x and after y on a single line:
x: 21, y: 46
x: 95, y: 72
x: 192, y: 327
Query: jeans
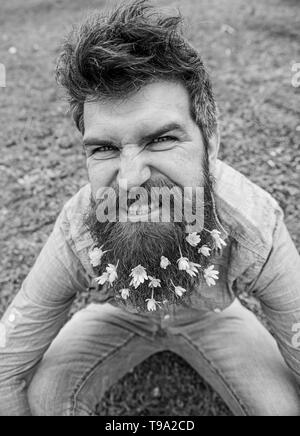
x: 231, y: 350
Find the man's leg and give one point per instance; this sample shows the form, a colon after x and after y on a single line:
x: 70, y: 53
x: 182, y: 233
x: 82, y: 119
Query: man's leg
x: 239, y: 358
x: 97, y: 347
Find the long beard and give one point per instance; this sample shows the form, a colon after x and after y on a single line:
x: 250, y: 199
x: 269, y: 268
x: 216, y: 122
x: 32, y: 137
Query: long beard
x: 143, y: 243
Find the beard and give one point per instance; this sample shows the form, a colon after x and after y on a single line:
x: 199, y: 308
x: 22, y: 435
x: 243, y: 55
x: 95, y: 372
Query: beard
x: 130, y: 244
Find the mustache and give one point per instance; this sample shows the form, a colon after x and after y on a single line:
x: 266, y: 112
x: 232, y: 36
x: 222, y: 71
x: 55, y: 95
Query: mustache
x: 142, y: 193
x: 157, y: 200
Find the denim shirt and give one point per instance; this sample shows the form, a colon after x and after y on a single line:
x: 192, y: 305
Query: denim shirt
x: 260, y: 258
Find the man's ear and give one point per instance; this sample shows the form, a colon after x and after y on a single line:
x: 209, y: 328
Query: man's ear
x: 213, y: 150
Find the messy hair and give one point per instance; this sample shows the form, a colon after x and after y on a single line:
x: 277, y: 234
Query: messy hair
x: 113, y: 54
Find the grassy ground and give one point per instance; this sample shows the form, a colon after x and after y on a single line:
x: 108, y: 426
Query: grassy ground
x: 249, y: 47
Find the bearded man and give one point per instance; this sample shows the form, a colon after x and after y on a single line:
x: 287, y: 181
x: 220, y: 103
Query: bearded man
x: 142, y: 99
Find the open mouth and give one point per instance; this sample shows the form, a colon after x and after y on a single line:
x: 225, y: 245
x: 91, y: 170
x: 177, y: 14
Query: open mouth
x: 148, y: 210
x: 140, y: 211
x: 143, y: 212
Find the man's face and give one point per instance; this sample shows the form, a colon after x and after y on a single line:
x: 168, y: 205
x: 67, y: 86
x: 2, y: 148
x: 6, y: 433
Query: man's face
x: 148, y: 139
x: 149, y: 135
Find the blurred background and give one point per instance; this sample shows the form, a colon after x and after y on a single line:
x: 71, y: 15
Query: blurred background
x: 250, y: 48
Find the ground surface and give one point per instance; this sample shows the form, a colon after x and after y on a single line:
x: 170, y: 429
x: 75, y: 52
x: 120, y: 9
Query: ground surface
x: 249, y: 47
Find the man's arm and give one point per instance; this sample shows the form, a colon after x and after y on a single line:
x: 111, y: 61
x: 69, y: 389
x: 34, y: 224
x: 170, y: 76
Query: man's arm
x: 278, y: 289
x: 35, y: 317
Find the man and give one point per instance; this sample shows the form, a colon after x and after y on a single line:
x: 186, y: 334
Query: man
x: 142, y: 99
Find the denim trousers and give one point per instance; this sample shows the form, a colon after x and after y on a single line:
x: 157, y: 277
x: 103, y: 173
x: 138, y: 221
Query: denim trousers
x: 231, y: 350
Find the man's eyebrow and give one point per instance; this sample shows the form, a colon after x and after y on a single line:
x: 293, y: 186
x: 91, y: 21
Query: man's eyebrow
x: 160, y: 131
x: 164, y: 129
x: 96, y: 141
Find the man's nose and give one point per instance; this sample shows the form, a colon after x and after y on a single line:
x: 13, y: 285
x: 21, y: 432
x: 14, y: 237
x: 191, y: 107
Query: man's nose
x: 133, y: 169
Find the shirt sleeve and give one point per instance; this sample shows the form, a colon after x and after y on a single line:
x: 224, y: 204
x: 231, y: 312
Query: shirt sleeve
x: 35, y: 316
x: 278, y: 289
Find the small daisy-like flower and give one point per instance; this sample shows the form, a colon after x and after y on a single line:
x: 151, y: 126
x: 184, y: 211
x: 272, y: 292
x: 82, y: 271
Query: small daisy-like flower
x: 205, y: 250
x: 110, y: 275
x: 211, y: 275
x: 179, y: 291
x: 154, y: 283
x: 139, y: 275
x: 183, y: 263
x: 112, y: 272
x: 125, y: 293
x: 102, y: 279
x: 95, y: 256
x: 152, y: 303
x: 192, y: 269
x: 193, y: 239
x: 164, y: 262
x: 217, y: 238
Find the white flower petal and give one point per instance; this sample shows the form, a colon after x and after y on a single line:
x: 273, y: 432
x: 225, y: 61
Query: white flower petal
x: 183, y: 263
x: 205, y: 250
x: 151, y: 304
x: 179, y: 291
x: 193, y: 239
x: 164, y: 262
x: 217, y: 238
x: 125, y: 293
x: 95, y: 256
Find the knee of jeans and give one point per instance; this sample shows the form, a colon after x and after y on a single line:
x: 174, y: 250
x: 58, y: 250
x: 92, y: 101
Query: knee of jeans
x: 270, y: 404
x: 48, y: 393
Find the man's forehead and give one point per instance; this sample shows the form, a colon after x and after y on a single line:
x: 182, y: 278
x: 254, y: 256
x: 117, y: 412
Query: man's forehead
x: 155, y: 104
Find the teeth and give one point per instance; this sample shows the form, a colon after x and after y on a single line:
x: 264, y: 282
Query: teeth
x: 138, y: 209
x: 143, y: 210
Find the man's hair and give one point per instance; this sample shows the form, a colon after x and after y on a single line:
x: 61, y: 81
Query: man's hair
x: 114, y: 54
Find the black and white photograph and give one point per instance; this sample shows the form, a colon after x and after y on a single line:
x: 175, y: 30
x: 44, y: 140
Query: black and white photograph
x: 150, y: 210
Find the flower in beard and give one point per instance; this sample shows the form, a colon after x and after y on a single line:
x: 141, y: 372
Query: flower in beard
x: 164, y: 262
x: 217, y: 238
x: 152, y: 303
x: 192, y: 269
x: 183, y: 263
x: 112, y: 272
x: 211, y: 275
x: 139, y: 275
x: 102, y: 279
x: 110, y: 275
x: 179, y: 290
x: 205, y: 250
x: 154, y: 283
x: 193, y: 239
x: 95, y: 256
x: 125, y: 292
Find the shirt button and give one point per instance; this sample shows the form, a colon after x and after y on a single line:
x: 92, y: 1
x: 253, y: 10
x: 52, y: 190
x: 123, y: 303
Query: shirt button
x: 217, y: 310
x: 12, y: 317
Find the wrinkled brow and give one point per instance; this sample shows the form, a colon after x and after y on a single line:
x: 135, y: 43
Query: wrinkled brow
x: 148, y: 137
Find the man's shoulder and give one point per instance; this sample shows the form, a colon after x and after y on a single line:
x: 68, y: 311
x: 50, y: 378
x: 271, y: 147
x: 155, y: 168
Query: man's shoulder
x: 73, y: 217
x: 249, y: 212
x: 79, y: 202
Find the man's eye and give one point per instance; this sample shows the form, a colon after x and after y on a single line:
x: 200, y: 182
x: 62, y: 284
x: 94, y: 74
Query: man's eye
x: 164, y: 139
x: 103, y: 148
x: 103, y: 151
